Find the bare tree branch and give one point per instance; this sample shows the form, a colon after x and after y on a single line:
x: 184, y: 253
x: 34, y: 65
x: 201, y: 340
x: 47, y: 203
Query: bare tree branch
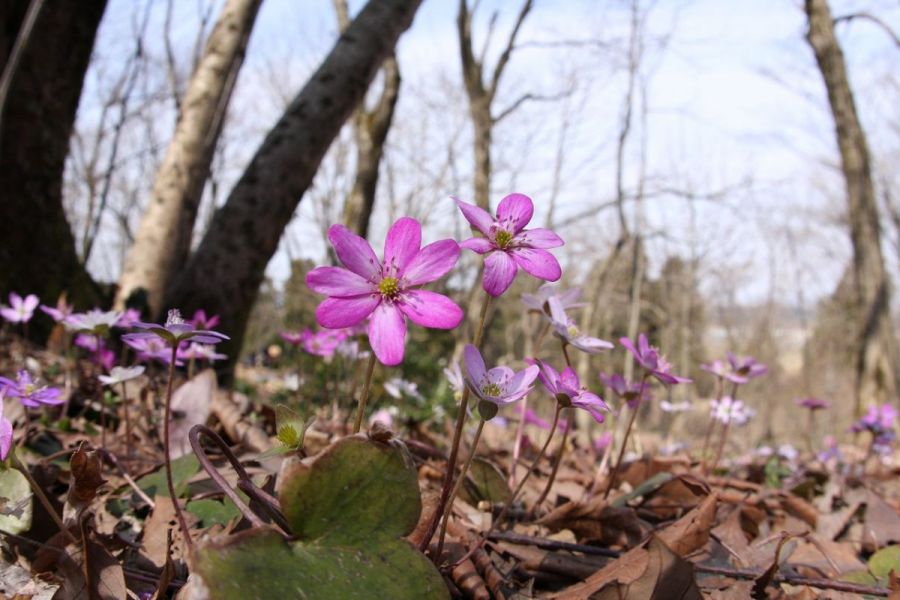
x: 870, y: 17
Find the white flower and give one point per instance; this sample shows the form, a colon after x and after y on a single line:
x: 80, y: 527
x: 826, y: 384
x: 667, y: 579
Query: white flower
x: 94, y: 321
x: 121, y: 374
x: 674, y: 407
x: 398, y: 387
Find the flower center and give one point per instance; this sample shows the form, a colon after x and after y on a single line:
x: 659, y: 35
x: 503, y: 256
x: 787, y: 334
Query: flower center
x: 572, y: 330
x: 491, y: 389
x: 389, y: 287
x: 29, y: 389
x: 503, y: 238
x: 174, y: 318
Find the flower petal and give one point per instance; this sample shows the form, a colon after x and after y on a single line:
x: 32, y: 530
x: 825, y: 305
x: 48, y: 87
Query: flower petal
x: 479, y: 245
x: 499, y: 272
x: 354, y: 252
x: 538, y: 263
x: 569, y: 380
x: 335, y: 313
x: 517, y: 209
x: 431, y: 263
x: 401, y: 245
x: 557, y: 312
x: 387, y: 334
x: 539, y: 238
x: 474, y: 363
x: 479, y: 218
x: 522, y: 381
x: 429, y: 309
x: 6, y: 436
x: 335, y: 281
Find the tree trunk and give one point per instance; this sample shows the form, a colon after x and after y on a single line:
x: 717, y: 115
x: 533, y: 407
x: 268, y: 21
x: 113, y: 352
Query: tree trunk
x: 37, y: 118
x: 875, y: 367
x: 163, y: 240
x: 225, y: 272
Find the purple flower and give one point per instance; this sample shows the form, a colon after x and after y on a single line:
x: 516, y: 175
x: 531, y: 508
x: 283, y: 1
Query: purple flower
x: 728, y: 410
x: 877, y: 420
x: 94, y: 321
x: 321, y: 343
x: 386, y: 290
x: 568, y: 391
x: 539, y: 301
x: 20, y: 310
x: 128, y: 318
x: 629, y: 391
x: 196, y: 351
x: 175, y: 331
x: 60, y: 311
x: 90, y: 342
x: 603, y: 442
x: 831, y: 451
x: 151, y: 348
x: 509, y: 245
x: 744, y: 368
x: 294, y: 338
x: 201, y: 321
x: 812, y: 403
x: 652, y: 361
x: 28, y: 392
x: 6, y: 431
x: 567, y: 330
x: 498, y: 386
x: 717, y: 368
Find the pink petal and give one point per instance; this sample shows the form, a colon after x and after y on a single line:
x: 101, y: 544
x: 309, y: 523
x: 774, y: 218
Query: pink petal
x: 499, y: 272
x: 6, y: 435
x: 387, y: 334
x: 478, y: 245
x: 31, y: 302
x: 428, y: 309
x: 431, y: 263
x: 538, y: 263
x: 557, y: 312
x: 9, y: 314
x: 539, y: 238
x: 474, y: 364
x: 569, y: 379
x: 335, y: 281
x: 335, y: 313
x: 516, y: 209
x: 354, y: 252
x: 401, y: 245
x: 479, y: 218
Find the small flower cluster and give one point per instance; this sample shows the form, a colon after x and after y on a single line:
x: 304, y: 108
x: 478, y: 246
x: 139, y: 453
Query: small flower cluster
x: 879, y: 421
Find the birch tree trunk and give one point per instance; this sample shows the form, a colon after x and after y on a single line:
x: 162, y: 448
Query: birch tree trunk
x: 38, y: 116
x: 876, y: 374
x: 224, y: 274
x: 163, y: 240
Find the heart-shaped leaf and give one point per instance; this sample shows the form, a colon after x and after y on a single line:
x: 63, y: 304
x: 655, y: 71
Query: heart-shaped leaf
x: 15, y: 502
x: 348, y: 509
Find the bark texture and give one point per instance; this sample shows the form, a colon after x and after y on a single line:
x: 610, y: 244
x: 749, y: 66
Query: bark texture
x: 370, y: 128
x: 37, y: 249
x: 163, y: 240
x: 224, y: 274
x: 876, y: 346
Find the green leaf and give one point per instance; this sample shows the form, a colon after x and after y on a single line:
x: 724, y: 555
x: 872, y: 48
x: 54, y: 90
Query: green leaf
x: 882, y: 562
x: 182, y: 470
x: 348, y: 510
x: 212, y: 512
x: 15, y: 502
x: 648, y: 486
x: 485, y: 482
x: 863, y: 577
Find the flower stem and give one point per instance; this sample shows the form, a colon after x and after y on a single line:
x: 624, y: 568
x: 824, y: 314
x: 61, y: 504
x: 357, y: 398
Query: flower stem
x: 457, y: 436
x: 361, y: 410
x: 720, y: 388
x: 168, y: 455
x: 725, y: 431
x: 40, y: 494
x: 128, y: 447
x: 634, y: 412
x: 517, y: 448
x: 570, y: 424
x: 457, y: 486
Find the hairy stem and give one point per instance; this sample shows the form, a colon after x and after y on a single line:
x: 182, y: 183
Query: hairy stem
x: 361, y: 409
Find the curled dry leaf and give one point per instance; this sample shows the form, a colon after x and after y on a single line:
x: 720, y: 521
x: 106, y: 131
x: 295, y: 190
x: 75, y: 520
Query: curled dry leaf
x: 86, y: 467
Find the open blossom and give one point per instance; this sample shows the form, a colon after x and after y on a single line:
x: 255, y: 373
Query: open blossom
x: 128, y: 318
x: 629, y: 391
x: 20, y: 310
x: 386, y: 290
x: 196, y: 351
x: 94, y: 321
x: 508, y: 245
x: 201, y: 321
x: 397, y: 388
x: 500, y: 385
x: 151, y: 348
x: 539, y: 301
x: 812, y: 403
x: 60, y: 311
x: 174, y: 331
x: 728, y: 410
x: 744, y: 368
x: 568, y: 391
x: 567, y: 330
x: 877, y: 420
x: 6, y: 431
x: 121, y: 374
x: 28, y: 392
x: 653, y: 363
x: 719, y: 368
x: 322, y: 343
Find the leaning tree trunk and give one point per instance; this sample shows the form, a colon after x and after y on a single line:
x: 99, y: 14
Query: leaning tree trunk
x: 37, y: 120
x: 163, y: 241
x: 875, y: 367
x: 228, y: 267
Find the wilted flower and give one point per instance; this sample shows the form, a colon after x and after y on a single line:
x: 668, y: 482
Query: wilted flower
x: 19, y: 310
x: 28, y: 392
x: 6, y: 431
x: 386, y: 291
x: 539, y: 301
x: 60, y: 311
x: 728, y: 410
x: 121, y: 375
x: 509, y: 245
x: 94, y: 321
x: 629, y: 391
x: 674, y: 407
x: 649, y: 358
x: 812, y: 403
x: 568, y: 391
x: 201, y: 321
x: 744, y: 368
x: 398, y: 387
x: 174, y: 331
x: 567, y: 330
x: 498, y: 386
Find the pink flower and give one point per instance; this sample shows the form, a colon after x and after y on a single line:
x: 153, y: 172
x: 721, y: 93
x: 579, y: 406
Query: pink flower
x: 386, y: 290
x: 322, y: 343
x: 539, y: 301
x: 717, y: 368
x: 568, y: 391
x: 653, y: 363
x: 196, y: 351
x: 812, y: 403
x: 151, y: 348
x: 128, y: 318
x: 28, y: 392
x: 568, y: 330
x: 60, y: 311
x: 201, y: 321
x: 6, y: 431
x: 174, y: 331
x: 878, y: 419
x: 20, y: 310
x: 603, y: 442
x: 509, y: 245
x: 294, y: 338
x: 500, y: 385
x: 532, y: 418
x: 744, y: 368
x: 629, y: 391
x: 729, y: 410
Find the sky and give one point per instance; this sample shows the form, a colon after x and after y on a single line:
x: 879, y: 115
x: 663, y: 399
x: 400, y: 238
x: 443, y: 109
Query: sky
x: 733, y: 102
